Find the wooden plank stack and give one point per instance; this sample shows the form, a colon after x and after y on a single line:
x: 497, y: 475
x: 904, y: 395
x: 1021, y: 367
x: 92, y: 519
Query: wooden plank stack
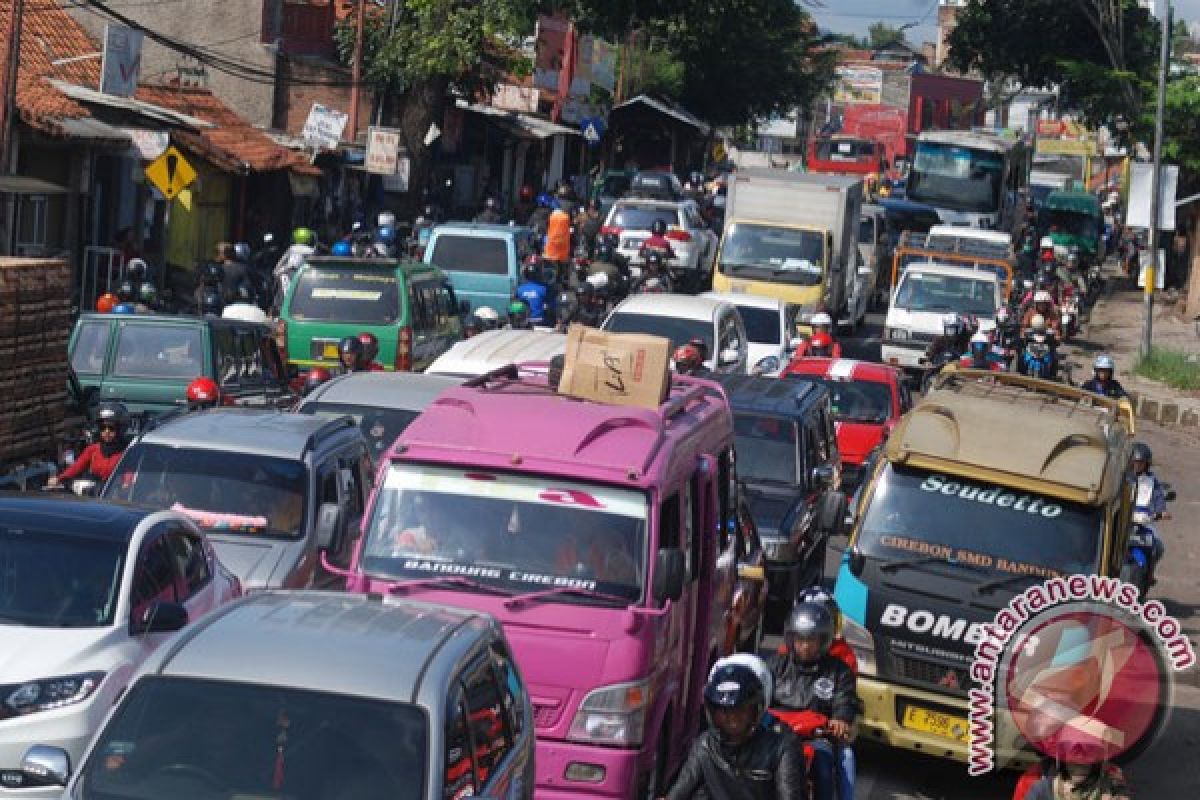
x: 35, y: 326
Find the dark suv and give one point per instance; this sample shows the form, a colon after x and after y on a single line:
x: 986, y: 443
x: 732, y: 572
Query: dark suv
x: 790, y: 472
x: 147, y: 360
x: 278, y: 494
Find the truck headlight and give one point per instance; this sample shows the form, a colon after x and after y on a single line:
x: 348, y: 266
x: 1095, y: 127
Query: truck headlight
x: 49, y: 693
x: 863, y: 645
x: 613, y: 715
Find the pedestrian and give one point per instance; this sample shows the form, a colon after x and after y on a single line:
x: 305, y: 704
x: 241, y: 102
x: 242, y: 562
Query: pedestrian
x: 236, y: 284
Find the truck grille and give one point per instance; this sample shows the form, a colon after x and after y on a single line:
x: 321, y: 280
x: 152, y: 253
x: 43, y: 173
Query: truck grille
x: 546, y: 715
x: 944, y: 678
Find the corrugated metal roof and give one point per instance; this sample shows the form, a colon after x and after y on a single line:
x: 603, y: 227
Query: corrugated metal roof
x: 671, y: 111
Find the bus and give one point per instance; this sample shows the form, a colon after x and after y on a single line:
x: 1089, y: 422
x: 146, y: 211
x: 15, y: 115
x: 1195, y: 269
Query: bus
x: 970, y: 178
x: 848, y: 155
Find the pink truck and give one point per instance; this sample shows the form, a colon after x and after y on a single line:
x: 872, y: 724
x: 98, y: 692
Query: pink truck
x: 594, y: 534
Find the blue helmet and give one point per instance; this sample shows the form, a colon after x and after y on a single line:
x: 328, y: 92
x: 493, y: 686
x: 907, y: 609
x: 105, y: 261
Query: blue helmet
x: 342, y: 249
x: 387, y: 234
x: 544, y: 200
x: 123, y: 308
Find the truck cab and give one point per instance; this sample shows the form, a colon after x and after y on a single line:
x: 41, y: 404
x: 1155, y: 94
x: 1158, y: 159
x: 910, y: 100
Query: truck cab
x: 591, y: 532
x: 990, y: 485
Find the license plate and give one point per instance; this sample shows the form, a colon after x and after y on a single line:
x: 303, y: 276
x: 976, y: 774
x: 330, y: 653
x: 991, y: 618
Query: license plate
x: 330, y: 351
x: 631, y: 244
x: 936, y: 723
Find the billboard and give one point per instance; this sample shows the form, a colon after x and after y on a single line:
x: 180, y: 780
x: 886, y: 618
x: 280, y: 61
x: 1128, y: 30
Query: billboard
x: 857, y: 85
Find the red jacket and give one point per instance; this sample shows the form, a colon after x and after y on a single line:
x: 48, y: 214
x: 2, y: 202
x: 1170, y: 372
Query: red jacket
x: 92, y: 460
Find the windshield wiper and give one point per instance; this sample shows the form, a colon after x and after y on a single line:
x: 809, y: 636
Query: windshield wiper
x: 538, y: 596
x: 899, y: 563
x: 440, y: 581
x: 999, y: 583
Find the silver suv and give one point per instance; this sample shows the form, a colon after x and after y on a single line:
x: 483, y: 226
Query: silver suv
x: 692, y: 239
x: 316, y: 696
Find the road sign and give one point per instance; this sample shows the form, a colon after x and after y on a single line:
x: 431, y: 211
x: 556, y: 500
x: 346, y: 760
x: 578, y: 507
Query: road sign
x: 593, y: 129
x: 383, y: 151
x: 170, y: 173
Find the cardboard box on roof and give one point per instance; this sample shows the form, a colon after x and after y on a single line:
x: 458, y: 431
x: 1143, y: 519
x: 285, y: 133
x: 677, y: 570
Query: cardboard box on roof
x: 624, y: 369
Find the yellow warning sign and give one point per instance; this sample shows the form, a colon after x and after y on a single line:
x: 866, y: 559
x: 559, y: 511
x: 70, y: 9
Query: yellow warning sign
x: 170, y: 173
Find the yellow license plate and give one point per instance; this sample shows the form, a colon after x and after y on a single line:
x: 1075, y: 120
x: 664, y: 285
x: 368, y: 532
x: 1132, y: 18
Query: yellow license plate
x: 331, y: 351
x: 943, y: 725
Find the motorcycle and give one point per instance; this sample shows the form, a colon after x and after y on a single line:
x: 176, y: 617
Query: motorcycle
x: 1139, y: 559
x: 1039, y: 356
x: 809, y: 726
x: 1069, y: 314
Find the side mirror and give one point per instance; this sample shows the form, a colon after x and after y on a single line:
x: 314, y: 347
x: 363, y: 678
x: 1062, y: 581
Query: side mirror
x: 855, y: 561
x: 669, y: 567
x: 822, y: 475
x: 329, y: 515
x: 1170, y: 496
x: 46, y: 766
x: 728, y: 356
x: 161, y: 616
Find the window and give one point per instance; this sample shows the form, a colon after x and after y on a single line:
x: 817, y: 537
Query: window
x: 432, y: 295
x: 346, y: 294
x: 159, y: 351
x: 459, y: 776
x: 510, y: 686
x: 491, y: 738
x: 273, y: 371
x: 251, y: 357
x: 355, y: 499
x: 669, y: 523
x: 327, y: 488
x: 91, y: 346
x: 488, y: 256
x: 421, y: 315
x: 191, y: 560
x: 727, y: 487
x: 695, y: 527
x: 225, y: 347
x: 153, y: 577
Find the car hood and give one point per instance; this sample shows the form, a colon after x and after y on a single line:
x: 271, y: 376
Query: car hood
x: 926, y: 321
x: 856, y: 440
x: 30, y: 653
x: 253, y: 561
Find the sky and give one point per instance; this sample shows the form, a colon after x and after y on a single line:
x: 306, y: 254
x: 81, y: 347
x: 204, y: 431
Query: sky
x: 855, y: 16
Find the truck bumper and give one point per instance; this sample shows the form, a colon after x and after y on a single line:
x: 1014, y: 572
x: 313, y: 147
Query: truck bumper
x: 902, y: 354
x: 884, y: 720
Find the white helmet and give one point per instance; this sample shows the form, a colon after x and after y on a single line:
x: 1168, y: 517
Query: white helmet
x: 1046, y: 243
x: 1002, y: 314
x: 244, y: 312
x: 1104, y: 361
x: 487, y: 314
x: 980, y: 337
x: 1038, y: 323
x: 822, y: 319
x: 755, y: 664
x: 386, y: 219
x: 1042, y: 296
x: 598, y: 280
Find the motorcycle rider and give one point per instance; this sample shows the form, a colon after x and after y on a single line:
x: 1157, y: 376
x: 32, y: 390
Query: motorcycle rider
x: 210, y: 295
x: 1043, y: 305
x: 350, y: 354
x: 588, y: 224
x: 518, y: 316
x: 99, y: 460
x: 533, y: 290
x: 605, y: 263
x: 203, y: 393
x: 822, y: 326
x: 557, y: 250
x: 1152, y: 508
x: 809, y: 679
x: 688, y: 360
x: 657, y: 241
x: 304, y: 244
x: 384, y: 245
x: 539, y: 219
x: 489, y: 320
x: 1079, y: 771
x: 491, y: 214
x: 743, y: 755
x: 1103, y: 382
x: 370, y: 351
x: 979, y: 355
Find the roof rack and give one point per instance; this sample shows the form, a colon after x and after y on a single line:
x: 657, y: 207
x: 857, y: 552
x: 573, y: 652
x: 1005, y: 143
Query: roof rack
x: 944, y: 244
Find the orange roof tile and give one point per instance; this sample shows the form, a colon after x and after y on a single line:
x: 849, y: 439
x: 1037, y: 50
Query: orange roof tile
x: 49, y: 34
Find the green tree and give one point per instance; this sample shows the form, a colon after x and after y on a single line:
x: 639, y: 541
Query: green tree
x: 881, y: 35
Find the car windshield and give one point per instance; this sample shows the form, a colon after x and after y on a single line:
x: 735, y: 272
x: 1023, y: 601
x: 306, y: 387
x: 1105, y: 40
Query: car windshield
x: 479, y: 254
x: 777, y: 254
x: 766, y: 448
x: 858, y: 401
x: 224, y: 492
x: 380, y: 426
x: 924, y: 291
x: 52, y: 580
x: 147, y: 350
x: 641, y: 217
x: 763, y: 325
x: 913, y: 513
x: 346, y: 294
x: 519, y: 533
x: 192, y: 739
x: 680, y: 331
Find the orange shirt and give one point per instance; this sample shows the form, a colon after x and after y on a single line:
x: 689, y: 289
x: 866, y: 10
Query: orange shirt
x: 558, y: 237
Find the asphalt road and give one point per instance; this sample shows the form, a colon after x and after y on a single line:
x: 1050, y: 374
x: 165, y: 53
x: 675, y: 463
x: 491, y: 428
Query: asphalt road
x: 1171, y: 766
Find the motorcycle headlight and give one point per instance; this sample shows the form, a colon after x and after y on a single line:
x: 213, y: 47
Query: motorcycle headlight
x: 614, y: 715
x: 49, y: 693
x: 863, y: 645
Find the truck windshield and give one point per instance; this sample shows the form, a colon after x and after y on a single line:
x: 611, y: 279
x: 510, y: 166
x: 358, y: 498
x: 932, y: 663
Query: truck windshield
x: 781, y: 255
x: 913, y: 513
x: 188, y: 738
x: 958, y: 178
x: 924, y: 291
x: 346, y: 294
x: 1083, y: 226
x: 223, y: 492
x: 766, y: 448
x: 519, y: 533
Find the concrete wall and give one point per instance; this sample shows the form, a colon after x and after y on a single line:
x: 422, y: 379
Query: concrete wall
x: 230, y: 28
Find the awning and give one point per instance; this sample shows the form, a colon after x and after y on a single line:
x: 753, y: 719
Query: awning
x: 150, y: 110
x: 23, y: 184
x: 677, y: 114
x: 524, y: 126
x: 94, y: 131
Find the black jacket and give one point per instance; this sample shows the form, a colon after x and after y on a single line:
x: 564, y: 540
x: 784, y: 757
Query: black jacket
x: 770, y: 766
x: 1112, y: 389
x: 827, y: 687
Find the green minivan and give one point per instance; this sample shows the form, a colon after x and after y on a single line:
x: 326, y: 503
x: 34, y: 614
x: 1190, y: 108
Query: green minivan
x: 409, y: 306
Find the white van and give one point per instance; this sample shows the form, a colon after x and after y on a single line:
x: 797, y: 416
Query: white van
x: 491, y: 350
x: 924, y: 296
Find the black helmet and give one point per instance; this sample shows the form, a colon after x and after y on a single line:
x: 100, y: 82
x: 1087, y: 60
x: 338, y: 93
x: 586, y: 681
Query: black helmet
x: 244, y: 293
x: 350, y: 344
x: 241, y: 251
x: 1142, y: 452
x: 148, y: 294
x: 567, y: 305
x: 113, y: 413
x: 655, y: 259
x: 734, y: 686
x: 126, y: 291
x: 211, y: 301
x: 604, y: 252
x: 809, y: 620
x: 136, y: 269
x: 532, y: 271
x: 658, y: 227
x: 212, y: 273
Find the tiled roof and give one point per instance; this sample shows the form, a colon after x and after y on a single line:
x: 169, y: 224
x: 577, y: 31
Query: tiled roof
x: 234, y: 145
x: 49, y: 34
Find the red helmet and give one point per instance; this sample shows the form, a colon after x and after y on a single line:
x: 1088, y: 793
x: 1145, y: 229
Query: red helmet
x: 203, y: 393
x: 526, y: 193
x: 370, y: 346
x: 687, y: 358
x: 316, y: 377
x: 107, y: 302
x: 821, y: 344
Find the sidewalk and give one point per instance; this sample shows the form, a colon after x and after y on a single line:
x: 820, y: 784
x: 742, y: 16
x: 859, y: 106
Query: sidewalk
x: 1115, y: 327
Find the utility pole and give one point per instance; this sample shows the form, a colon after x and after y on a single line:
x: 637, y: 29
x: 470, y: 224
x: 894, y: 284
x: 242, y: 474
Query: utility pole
x: 8, y: 83
x: 356, y: 68
x: 1151, y: 273
x: 382, y: 96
